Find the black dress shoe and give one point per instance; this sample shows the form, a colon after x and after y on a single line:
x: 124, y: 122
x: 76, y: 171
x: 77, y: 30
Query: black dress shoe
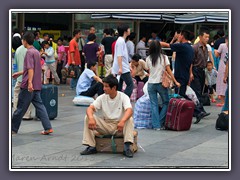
x: 89, y: 150
x: 128, y: 153
x: 199, y: 117
x: 206, y: 114
x: 27, y: 119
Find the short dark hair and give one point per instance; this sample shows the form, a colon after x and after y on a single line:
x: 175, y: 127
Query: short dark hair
x: 16, y: 30
x: 60, y: 39
x: 186, y: 34
x: 106, y: 31
x: 122, y: 28
x: 45, y: 42
x: 220, y: 33
x: 178, y: 31
x: 111, y: 81
x: 209, y: 62
x: 91, y: 37
x: 35, y: 33
x: 203, y: 30
x: 76, y: 31
x: 91, y: 64
x: 45, y: 34
x: 136, y: 57
x: 29, y: 37
x: 143, y: 36
x: 51, y: 36
x: 132, y: 36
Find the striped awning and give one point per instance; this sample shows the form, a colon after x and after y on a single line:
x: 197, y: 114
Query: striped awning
x: 197, y: 17
x: 184, y: 18
x: 137, y: 16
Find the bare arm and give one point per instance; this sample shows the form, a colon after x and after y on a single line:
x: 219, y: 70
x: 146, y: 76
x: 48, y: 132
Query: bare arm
x: 17, y: 74
x: 217, y: 54
x: 211, y: 57
x: 72, y: 57
x: 91, y: 121
x: 119, y: 58
x: 164, y: 44
x: 98, y: 79
x: 30, y: 78
x: 172, y: 76
x: 191, y: 75
x: 127, y: 115
x: 226, y: 73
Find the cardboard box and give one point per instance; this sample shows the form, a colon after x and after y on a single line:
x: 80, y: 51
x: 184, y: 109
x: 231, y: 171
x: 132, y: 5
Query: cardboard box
x: 109, y: 144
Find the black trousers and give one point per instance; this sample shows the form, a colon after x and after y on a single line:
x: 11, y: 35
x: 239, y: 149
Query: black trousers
x: 182, y: 92
x: 96, y: 88
x: 199, y: 80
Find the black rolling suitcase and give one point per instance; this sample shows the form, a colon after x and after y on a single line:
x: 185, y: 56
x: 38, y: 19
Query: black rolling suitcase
x: 49, y: 95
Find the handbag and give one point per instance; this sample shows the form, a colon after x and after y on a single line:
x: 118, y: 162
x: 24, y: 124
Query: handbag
x: 73, y: 71
x: 222, y: 122
x: 167, y: 81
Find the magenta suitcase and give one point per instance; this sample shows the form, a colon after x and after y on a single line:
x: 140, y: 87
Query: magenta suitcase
x: 140, y: 89
x: 179, y: 114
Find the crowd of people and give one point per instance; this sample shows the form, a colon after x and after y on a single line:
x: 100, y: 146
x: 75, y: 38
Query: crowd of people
x: 192, y: 64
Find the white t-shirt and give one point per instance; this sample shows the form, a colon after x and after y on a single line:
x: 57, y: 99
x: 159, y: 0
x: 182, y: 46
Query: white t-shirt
x: 209, y: 49
x: 120, y: 50
x: 112, y: 109
x: 156, y: 72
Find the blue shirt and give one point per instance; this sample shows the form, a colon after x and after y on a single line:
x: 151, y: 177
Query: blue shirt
x: 184, y: 59
x: 49, y: 58
x: 85, y: 81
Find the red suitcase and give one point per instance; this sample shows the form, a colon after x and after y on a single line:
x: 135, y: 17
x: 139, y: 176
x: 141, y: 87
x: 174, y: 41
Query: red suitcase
x: 179, y: 114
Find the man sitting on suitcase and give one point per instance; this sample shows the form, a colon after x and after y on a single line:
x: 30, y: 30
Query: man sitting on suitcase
x: 116, y: 118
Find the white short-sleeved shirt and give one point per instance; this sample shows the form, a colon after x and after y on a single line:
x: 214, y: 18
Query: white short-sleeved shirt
x: 112, y: 109
x: 120, y: 50
x: 84, y: 81
x: 209, y: 48
x: 156, y: 72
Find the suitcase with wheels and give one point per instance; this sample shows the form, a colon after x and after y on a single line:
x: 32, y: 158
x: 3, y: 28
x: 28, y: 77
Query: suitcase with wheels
x: 49, y: 96
x: 179, y: 114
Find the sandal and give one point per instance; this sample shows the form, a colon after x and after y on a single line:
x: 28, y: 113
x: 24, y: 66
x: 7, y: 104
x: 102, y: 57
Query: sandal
x: 47, y: 132
x: 213, y: 100
x: 219, y: 105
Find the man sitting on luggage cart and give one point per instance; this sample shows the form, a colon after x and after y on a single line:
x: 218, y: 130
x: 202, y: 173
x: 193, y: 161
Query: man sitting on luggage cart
x: 116, y: 118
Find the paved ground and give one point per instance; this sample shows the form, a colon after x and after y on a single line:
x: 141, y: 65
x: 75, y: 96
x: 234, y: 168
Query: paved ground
x: 200, y: 147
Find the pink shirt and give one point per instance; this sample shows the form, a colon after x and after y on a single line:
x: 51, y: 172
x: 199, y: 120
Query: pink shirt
x: 61, y: 56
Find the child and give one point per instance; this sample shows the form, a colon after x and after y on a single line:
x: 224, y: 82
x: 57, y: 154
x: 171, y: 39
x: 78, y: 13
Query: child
x: 211, y: 77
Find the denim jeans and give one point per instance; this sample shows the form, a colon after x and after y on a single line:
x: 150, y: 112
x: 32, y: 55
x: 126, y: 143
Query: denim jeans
x: 158, y: 119
x: 24, y: 100
x: 73, y: 82
x: 127, y: 78
x: 226, y: 103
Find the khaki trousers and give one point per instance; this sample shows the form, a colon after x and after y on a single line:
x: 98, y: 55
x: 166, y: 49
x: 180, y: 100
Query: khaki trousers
x: 107, y: 127
x: 15, y: 101
x: 52, y: 68
x: 108, y: 61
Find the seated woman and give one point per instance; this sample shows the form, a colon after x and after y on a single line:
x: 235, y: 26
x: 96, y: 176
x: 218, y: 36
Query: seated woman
x: 139, y: 68
x: 89, y: 83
